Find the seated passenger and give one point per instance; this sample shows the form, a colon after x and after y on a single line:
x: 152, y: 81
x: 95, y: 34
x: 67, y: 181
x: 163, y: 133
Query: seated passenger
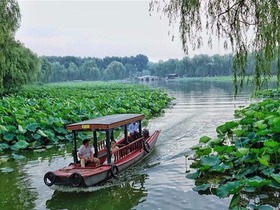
x: 86, y: 155
x: 114, y: 146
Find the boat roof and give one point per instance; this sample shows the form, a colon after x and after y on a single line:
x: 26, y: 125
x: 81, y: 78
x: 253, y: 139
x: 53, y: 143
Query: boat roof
x: 106, y: 122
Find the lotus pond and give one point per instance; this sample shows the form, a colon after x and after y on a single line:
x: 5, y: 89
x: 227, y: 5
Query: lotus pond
x: 203, y: 116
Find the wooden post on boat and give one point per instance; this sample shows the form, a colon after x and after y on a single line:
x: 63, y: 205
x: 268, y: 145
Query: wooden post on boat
x: 95, y: 144
x: 74, y: 150
x: 139, y: 128
x: 125, y: 134
x: 108, y: 146
x: 112, y: 135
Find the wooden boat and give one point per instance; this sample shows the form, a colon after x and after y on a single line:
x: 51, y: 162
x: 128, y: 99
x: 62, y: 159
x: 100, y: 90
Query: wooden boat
x: 129, y: 153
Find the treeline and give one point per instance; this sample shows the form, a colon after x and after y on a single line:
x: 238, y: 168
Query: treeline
x: 21, y: 66
x: 69, y: 68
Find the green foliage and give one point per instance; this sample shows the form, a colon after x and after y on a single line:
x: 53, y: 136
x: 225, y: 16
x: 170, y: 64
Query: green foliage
x: 244, y: 159
x: 114, y: 71
x: 36, y: 116
x: 233, y: 21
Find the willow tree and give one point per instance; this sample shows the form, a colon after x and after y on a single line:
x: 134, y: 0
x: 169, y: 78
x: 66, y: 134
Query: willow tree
x: 9, y: 23
x: 246, y: 26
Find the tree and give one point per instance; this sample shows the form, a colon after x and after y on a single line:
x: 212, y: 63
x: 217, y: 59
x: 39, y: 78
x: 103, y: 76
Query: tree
x: 141, y: 62
x: 89, y: 70
x: 231, y: 20
x: 114, y: 71
x: 9, y: 23
x: 46, y: 72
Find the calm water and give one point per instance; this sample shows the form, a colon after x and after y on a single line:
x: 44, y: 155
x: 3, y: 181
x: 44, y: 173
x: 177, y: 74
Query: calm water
x: 158, y: 182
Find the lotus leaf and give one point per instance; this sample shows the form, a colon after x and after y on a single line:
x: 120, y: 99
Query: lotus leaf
x: 39, y: 150
x: 4, y: 159
x: 276, y: 129
x: 21, y: 137
x: 21, y: 144
x: 249, y: 189
x: 210, y: 160
x: 264, y: 160
x: 271, y: 143
x: 234, y: 201
x: 274, y: 184
x: 3, y: 128
x: 220, y: 168
x: 268, y: 171
x: 42, y: 133
x: 242, y: 152
x: 18, y: 157
x: 250, y: 113
x: 204, y: 139
x: 260, y: 124
x: 50, y: 134
x: 4, y: 146
x: 69, y: 137
x: 276, y: 177
x: 256, y: 181
x: 264, y: 132
x: 7, y: 119
x: 8, y: 136
x: 31, y: 120
x: 36, y: 136
x: 276, y: 121
x: 193, y: 175
x: 215, y: 141
x: 6, y: 170
x: 238, y: 132
x: 32, y: 127
x: 252, y: 135
x: 21, y: 130
x: 229, y: 188
x: 203, y: 151
x: 223, y: 149
x: 246, y: 121
x: 222, y: 129
x: 197, y: 146
x: 202, y: 187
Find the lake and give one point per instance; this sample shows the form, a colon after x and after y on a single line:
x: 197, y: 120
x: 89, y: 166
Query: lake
x: 158, y: 182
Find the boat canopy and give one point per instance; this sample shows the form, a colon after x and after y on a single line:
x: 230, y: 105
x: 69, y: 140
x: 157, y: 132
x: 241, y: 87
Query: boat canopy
x: 105, y: 122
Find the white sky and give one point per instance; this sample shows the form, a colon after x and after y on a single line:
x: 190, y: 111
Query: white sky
x: 100, y: 28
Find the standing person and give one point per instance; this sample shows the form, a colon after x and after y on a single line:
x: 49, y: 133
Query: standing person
x: 86, y: 155
x: 133, y: 130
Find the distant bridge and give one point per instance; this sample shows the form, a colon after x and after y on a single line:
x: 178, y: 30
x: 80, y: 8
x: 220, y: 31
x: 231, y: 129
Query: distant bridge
x: 148, y: 78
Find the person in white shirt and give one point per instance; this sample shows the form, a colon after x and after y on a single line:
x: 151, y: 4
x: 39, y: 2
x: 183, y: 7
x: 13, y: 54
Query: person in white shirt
x: 133, y: 130
x: 86, y: 155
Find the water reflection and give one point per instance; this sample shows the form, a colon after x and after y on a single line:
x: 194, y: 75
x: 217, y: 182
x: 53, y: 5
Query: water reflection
x: 121, y: 194
x: 15, y: 192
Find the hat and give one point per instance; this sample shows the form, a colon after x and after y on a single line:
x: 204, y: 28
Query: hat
x: 85, y: 141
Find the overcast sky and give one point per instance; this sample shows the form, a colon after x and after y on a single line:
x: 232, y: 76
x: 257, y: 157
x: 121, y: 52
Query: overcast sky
x: 99, y: 28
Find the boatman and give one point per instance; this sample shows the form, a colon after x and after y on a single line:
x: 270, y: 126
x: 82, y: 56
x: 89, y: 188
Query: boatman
x: 85, y: 154
x: 133, y: 130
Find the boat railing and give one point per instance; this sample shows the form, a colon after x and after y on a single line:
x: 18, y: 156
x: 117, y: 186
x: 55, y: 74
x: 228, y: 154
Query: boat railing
x: 101, y: 144
x: 128, y: 149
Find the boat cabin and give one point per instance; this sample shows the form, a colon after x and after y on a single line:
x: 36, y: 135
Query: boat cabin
x: 105, y: 124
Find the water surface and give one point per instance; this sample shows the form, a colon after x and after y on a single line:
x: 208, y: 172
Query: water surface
x: 158, y: 182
